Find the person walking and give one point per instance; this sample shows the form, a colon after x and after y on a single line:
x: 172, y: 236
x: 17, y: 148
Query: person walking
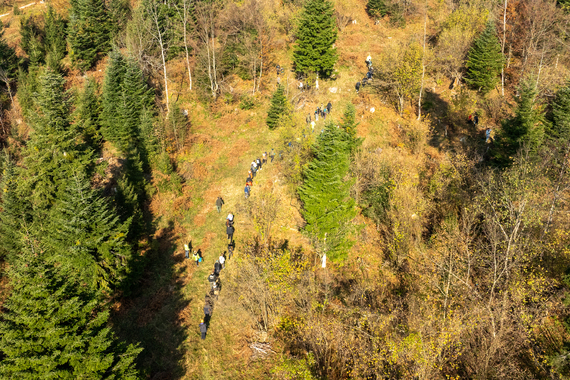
x: 264, y: 158
x: 324, y: 113
x: 329, y: 107
x: 258, y: 162
x: 476, y: 119
x: 230, y: 250
x: 272, y: 154
x: 230, y: 231
x: 217, y: 268
x: 207, y: 311
x: 186, y: 251
x: 246, y: 191
x: 230, y: 220
x: 203, y: 329
x: 357, y: 87
x: 196, y: 258
x: 316, y: 115
x: 219, y: 204
x: 212, y: 278
x: 369, y: 60
x: 222, y: 260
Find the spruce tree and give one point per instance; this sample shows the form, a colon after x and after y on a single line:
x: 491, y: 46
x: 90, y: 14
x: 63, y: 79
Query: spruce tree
x: 86, y: 236
x: 376, y: 8
x: 277, y: 109
x: 316, y: 35
x: 89, y: 32
x: 55, y: 37
x: 485, y: 60
x: 54, y: 328
x: 527, y: 126
x: 87, y: 110
x: 327, y: 205
x: 32, y: 40
x: 54, y: 150
x: 559, y: 128
x: 8, y: 58
x: 112, y: 94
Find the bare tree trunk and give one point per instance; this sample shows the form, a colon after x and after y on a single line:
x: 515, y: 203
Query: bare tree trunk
x: 503, y: 48
x: 423, y: 68
x: 157, y: 34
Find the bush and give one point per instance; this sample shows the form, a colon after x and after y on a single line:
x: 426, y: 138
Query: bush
x: 246, y: 103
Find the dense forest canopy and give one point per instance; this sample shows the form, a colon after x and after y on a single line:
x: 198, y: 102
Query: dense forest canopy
x: 404, y: 213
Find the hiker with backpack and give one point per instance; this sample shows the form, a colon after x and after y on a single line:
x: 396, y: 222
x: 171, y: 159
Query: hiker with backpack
x: 369, y: 60
x: 264, y: 158
x: 258, y: 162
x: 230, y: 231
x: 207, y: 312
x: 196, y: 257
x: 217, y: 268
x: 246, y: 190
x: 219, y: 204
x: 230, y: 250
x: 222, y: 260
x: 329, y: 107
x: 230, y: 220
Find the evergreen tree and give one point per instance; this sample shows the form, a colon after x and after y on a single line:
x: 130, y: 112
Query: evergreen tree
x: 8, y: 58
x: 87, y: 239
x: 55, y: 37
x: 32, y: 40
x: 376, y: 8
x: 327, y: 205
x: 316, y: 35
x: 559, y: 128
x: 112, y: 95
x: 88, y: 109
x: 485, y: 60
x: 119, y: 12
x: 54, y: 150
x: 89, y: 34
x: 278, y: 108
x: 53, y: 328
x: 14, y: 210
x: 527, y: 126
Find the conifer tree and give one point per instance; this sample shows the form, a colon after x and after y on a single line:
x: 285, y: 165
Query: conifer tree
x: 278, y: 108
x: 527, y: 126
x: 327, y: 205
x: 376, y: 8
x: 14, y: 210
x: 559, y: 128
x: 112, y: 94
x: 87, y: 239
x: 485, y: 60
x: 55, y: 37
x: 53, y: 328
x: 316, y: 35
x: 8, y: 58
x: 88, y: 109
x: 32, y: 40
x: 89, y: 34
x: 54, y: 150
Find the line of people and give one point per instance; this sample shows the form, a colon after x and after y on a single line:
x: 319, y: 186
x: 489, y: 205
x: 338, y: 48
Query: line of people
x: 368, y: 76
x: 256, y: 165
x: 214, y: 277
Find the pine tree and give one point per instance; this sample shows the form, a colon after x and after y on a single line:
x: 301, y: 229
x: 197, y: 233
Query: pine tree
x: 8, y: 58
x: 87, y: 239
x: 54, y: 150
x: 316, y: 35
x: 327, y: 205
x: 527, y: 126
x: 53, y: 328
x: 485, y: 60
x: 559, y: 128
x: 376, y: 8
x: 32, y: 40
x: 278, y: 108
x: 89, y: 32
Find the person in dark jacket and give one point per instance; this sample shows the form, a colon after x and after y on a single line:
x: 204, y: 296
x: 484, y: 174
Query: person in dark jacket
x: 219, y: 204
x: 230, y: 250
x: 329, y: 107
x: 217, y: 268
x: 203, y: 329
x: 357, y: 87
x: 230, y: 231
x: 246, y: 191
x: 207, y: 311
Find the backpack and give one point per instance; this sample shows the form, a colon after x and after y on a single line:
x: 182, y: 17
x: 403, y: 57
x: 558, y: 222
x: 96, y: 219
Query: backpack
x: 212, y: 278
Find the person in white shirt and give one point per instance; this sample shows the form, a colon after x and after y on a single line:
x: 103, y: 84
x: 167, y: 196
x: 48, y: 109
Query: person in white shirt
x: 222, y: 261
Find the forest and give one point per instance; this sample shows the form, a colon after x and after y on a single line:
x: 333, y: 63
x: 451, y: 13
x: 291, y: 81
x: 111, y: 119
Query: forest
x: 406, y: 209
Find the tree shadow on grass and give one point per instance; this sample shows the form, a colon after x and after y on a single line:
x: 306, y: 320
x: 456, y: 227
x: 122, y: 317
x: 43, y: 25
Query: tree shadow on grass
x: 151, y: 317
